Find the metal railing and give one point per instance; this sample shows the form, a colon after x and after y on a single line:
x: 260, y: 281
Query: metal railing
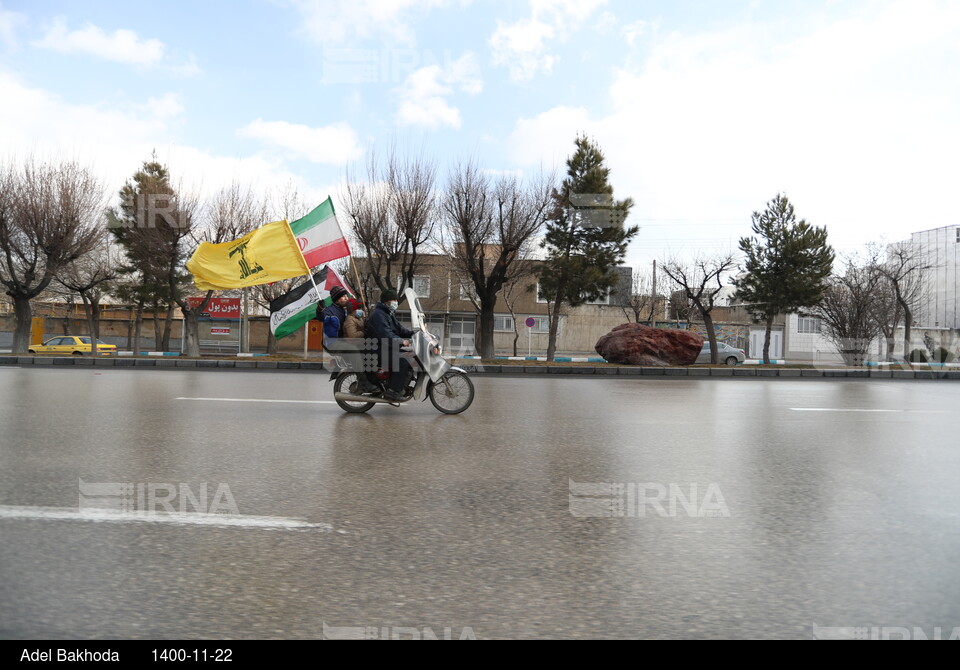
x: 221, y: 345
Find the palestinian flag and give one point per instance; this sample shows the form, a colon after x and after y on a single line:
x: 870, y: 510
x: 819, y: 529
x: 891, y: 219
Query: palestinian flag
x: 292, y: 310
x: 319, y: 236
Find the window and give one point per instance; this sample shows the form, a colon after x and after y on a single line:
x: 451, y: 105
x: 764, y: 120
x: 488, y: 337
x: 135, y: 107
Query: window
x: 503, y: 324
x: 468, y: 291
x: 603, y: 300
x: 808, y: 325
x: 540, y: 297
x: 421, y: 284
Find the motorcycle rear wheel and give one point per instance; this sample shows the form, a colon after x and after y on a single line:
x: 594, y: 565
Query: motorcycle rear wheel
x: 342, y: 385
x: 453, y: 393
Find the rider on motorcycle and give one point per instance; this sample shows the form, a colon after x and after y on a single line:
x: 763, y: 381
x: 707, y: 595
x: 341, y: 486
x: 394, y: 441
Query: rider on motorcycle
x: 334, y: 316
x: 390, y: 336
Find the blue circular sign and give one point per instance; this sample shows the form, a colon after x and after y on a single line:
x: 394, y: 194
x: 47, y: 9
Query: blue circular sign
x: 531, y: 322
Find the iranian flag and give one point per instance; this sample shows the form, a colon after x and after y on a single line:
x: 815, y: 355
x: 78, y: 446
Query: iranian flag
x: 319, y: 236
x: 292, y: 310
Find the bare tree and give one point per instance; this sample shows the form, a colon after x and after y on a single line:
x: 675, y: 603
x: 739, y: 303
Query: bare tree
x: 641, y: 300
x: 884, y: 308
x: 848, y: 310
x: 701, y: 281
x: 523, y: 280
x: 680, y: 306
x: 904, y: 268
x: 392, y: 215
x: 48, y: 218
x: 488, y: 229
x: 90, y: 277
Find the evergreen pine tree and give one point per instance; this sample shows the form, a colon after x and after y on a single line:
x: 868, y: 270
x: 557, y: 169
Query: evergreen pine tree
x: 586, y: 239
x: 787, y: 264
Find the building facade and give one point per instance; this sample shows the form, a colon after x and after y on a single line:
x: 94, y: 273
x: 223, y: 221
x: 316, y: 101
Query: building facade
x: 938, y: 250
x: 452, y: 311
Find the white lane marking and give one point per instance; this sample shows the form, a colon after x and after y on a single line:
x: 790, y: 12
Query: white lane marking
x: 174, y: 518
x: 308, y: 402
x: 830, y: 409
x: 890, y: 411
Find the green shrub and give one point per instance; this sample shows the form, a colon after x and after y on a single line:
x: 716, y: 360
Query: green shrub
x: 942, y: 355
x: 918, y: 356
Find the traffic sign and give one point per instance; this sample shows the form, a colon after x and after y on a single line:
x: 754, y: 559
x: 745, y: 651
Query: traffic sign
x: 531, y: 322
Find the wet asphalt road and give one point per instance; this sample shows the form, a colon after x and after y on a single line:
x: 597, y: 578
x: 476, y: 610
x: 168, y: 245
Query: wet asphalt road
x: 796, y: 504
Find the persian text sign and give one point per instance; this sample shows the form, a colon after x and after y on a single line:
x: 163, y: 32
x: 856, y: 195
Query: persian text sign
x: 219, y: 308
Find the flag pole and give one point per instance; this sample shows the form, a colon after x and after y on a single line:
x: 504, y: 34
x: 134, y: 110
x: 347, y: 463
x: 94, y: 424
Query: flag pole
x: 356, y: 275
x: 353, y: 265
x: 306, y: 326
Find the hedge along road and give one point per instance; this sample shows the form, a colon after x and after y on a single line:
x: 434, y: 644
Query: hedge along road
x: 620, y: 507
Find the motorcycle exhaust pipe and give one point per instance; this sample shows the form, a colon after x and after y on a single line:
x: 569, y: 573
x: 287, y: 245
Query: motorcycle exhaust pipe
x: 350, y: 397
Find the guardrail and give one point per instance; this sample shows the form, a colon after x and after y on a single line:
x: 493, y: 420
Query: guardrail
x: 221, y: 345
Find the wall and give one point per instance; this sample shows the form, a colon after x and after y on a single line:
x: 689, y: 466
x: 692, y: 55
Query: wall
x: 115, y: 331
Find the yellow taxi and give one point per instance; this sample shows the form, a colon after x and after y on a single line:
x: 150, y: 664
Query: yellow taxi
x: 73, y: 345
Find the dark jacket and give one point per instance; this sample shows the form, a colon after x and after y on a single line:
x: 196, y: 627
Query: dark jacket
x: 383, y: 324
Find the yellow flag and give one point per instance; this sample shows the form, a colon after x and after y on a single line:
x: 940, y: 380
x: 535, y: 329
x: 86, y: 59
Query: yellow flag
x: 268, y: 254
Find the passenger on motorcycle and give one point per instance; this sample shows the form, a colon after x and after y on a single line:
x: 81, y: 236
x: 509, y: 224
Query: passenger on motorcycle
x: 353, y: 327
x: 334, y: 316
x: 390, y: 335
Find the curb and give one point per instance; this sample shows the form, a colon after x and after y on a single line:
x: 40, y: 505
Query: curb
x: 160, y: 362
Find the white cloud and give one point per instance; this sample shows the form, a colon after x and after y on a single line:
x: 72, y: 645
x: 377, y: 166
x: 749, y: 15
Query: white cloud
x: 121, y: 46
x: 635, y: 30
x: 9, y: 23
x: 115, y: 142
x: 855, y: 120
x: 423, y: 95
x: 524, y: 45
x: 167, y: 106
x: 547, y: 138
x: 334, y: 144
x: 337, y: 22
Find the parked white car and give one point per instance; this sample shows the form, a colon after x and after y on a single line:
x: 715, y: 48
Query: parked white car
x: 725, y: 354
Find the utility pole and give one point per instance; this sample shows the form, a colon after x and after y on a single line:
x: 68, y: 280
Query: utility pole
x: 653, y: 311
x: 245, y: 325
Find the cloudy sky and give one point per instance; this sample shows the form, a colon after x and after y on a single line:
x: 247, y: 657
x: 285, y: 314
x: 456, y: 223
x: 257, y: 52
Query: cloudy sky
x: 705, y: 109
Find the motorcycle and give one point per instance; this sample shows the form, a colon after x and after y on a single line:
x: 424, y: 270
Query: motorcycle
x: 448, y: 387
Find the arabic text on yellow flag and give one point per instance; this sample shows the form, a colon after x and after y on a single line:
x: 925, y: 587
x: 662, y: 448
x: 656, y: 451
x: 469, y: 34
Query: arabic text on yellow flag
x: 268, y: 254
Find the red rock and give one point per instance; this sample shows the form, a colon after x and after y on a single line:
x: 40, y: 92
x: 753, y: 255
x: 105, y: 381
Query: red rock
x: 636, y: 344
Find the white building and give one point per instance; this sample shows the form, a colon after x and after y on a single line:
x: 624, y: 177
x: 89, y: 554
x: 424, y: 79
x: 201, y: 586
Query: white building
x: 935, y: 315
x: 938, y: 250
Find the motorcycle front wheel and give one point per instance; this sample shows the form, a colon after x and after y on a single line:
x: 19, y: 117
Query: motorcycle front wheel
x: 343, y: 384
x: 453, y: 393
